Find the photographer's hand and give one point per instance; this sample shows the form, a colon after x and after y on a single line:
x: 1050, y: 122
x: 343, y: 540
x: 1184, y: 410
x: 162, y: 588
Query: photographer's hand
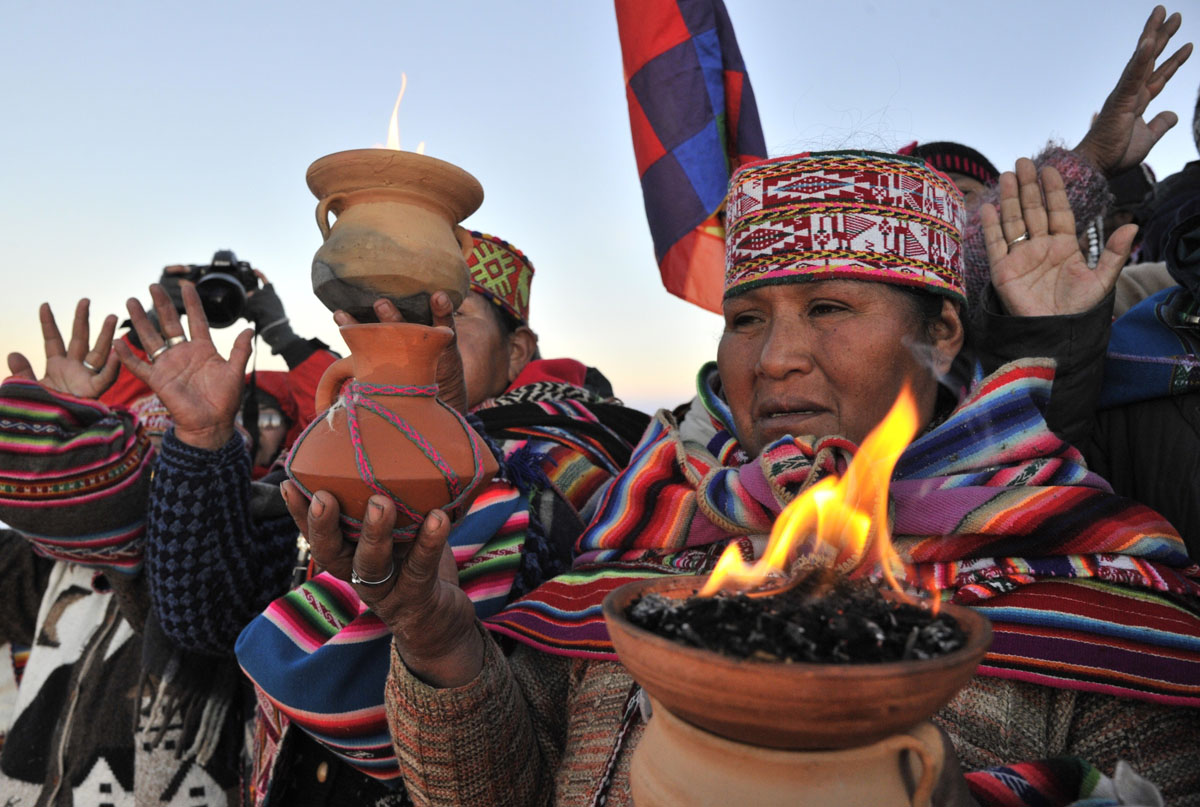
x: 67, y: 366
x: 202, y: 391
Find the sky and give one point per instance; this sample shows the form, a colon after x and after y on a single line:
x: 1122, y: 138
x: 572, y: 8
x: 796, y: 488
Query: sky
x: 141, y: 134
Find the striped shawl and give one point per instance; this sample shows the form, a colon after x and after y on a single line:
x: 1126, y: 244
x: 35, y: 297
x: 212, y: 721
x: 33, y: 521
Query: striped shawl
x: 1086, y: 590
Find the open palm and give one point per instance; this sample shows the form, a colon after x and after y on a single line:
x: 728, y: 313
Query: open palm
x: 1037, y: 267
x: 73, y: 368
x: 202, y: 390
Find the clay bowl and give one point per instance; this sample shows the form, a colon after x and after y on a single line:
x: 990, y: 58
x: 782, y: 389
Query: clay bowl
x: 788, y: 705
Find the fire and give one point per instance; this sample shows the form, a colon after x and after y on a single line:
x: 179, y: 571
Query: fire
x: 393, y: 135
x: 840, y: 522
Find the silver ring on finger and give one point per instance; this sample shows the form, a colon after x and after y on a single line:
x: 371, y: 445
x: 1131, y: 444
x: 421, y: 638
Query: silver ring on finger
x: 158, y: 351
x: 91, y: 366
x: 354, y: 577
x: 175, y: 340
x: 1022, y: 237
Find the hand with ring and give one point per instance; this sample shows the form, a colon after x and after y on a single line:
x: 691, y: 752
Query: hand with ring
x: 411, y: 585
x: 73, y: 368
x: 202, y: 391
x: 1037, y: 267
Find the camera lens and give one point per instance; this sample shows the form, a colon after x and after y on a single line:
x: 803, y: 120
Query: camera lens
x: 223, y: 298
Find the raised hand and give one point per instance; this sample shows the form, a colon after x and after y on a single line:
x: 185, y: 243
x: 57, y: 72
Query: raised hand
x: 73, y: 368
x: 452, y: 387
x: 1037, y: 267
x: 202, y: 390
x: 1119, y: 138
x: 412, y: 586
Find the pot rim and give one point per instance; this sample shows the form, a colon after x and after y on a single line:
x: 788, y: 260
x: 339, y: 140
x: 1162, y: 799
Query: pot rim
x: 977, y: 627
x: 454, y: 187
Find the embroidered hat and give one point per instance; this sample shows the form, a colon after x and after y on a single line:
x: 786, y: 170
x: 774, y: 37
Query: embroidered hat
x: 843, y: 214
x: 954, y: 158
x: 502, y: 273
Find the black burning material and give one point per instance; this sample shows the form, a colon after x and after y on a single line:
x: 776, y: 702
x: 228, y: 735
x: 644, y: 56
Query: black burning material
x: 843, y: 623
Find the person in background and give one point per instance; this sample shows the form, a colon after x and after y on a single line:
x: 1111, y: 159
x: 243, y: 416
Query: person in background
x: 970, y: 171
x: 559, y: 434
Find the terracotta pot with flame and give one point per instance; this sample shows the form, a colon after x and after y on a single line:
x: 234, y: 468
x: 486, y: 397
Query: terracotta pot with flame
x: 775, y: 732
x: 397, y: 232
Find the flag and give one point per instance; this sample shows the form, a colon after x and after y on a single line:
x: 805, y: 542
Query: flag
x: 694, y: 121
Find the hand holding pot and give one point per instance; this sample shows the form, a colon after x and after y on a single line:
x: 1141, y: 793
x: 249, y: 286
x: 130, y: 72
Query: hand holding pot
x: 201, y: 390
x: 72, y: 368
x: 411, y: 586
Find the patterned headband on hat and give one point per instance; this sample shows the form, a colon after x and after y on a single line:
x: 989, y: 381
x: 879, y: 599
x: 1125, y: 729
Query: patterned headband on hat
x: 844, y: 214
x: 502, y: 273
x: 954, y: 158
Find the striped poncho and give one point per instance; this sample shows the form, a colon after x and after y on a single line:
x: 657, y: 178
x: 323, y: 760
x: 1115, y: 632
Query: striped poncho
x: 67, y: 462
x: 319, y: 658
x: 1086, y: 590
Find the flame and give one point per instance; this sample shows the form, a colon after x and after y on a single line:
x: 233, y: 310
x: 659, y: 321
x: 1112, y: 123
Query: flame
x: 842, y: 521
x: 393, y: 135
x: 393, y: 138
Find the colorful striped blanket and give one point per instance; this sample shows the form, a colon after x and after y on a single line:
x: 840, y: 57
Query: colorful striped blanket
x: 66, y: 462
x: 1086, y: 590
x: 319, y: 658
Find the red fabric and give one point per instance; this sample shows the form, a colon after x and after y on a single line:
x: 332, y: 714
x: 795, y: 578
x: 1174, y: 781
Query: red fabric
x: 562, y: 370
x: 127, y: 388
x: 646, y: 30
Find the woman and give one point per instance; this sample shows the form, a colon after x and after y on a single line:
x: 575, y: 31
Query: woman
x: 843, y: 280
x: 214, y: 536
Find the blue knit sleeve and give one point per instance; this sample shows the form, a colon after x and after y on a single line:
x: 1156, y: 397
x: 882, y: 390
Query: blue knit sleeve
x: 214, y: 559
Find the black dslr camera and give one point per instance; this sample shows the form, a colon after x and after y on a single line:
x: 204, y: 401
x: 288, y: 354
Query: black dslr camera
x: 222, y: 286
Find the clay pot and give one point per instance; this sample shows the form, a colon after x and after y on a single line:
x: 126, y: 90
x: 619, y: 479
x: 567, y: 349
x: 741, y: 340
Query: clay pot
x: 676, y: 763
x: 425, y: 457
x: 788, y: 705
x: 396, y: 234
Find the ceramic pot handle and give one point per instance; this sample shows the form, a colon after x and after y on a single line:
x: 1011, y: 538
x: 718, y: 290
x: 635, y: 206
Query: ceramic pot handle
x: 331, y: 382
x: 323, y: 208
x: 464, y: 240
x: 923, y: 793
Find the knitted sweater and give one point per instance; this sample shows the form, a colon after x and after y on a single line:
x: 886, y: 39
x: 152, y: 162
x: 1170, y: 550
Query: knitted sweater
x: 537, y: 729
x: 214, y: 539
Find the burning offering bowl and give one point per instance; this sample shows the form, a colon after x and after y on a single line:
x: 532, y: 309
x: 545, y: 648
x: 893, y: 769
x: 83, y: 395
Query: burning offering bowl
x: 788, y: 704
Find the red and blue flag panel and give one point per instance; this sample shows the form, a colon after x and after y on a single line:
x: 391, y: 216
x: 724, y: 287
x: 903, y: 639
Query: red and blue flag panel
x: 694, y: 121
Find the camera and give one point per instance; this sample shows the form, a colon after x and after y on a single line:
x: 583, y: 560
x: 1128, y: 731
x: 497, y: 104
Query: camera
x: 222, y: 286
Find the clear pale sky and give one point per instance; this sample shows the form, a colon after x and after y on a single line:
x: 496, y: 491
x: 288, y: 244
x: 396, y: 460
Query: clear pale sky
x: 139, y: 134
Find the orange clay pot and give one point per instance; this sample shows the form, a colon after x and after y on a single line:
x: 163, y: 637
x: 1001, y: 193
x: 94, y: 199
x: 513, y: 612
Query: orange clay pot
x: 676, y: 763
x: 415, y: 448
x: 788, y: 705
x: 396, y: 234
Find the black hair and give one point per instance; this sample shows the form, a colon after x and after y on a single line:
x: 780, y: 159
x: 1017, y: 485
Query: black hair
x: 926, y: 307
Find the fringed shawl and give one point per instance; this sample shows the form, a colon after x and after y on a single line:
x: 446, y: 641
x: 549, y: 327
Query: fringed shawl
x: 1086, y: 590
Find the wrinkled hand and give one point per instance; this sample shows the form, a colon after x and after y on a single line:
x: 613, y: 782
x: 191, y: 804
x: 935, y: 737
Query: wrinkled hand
x: 452, y: 386
x: 66, y: 371
x: 202, y: 391
x: 431, y: 618
x: 1119, y: 138
x: 1045, y: 274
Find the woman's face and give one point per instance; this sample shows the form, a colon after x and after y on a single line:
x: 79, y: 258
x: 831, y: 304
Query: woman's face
x: 827, y: 357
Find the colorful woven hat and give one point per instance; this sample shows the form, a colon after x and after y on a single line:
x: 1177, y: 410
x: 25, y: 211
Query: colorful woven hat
x: 843, y: 214
x: 954, y: 158
x: 502, y: 273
